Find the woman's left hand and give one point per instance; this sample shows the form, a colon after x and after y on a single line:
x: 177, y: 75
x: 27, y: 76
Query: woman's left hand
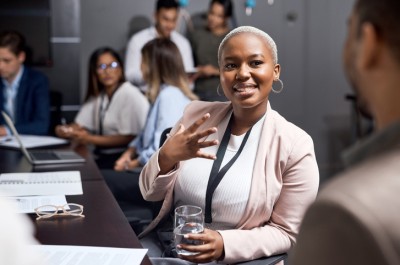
x: 132, y: 164
x: 211, y: 249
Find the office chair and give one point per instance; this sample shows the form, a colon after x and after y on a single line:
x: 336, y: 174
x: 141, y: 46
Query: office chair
x: 56, y: 99
x: 267, y: 260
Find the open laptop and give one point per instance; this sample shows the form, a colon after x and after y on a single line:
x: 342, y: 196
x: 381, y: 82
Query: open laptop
x: 43, y: 157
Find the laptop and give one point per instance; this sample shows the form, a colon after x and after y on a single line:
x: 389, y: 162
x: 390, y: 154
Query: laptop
x: 44, y: 157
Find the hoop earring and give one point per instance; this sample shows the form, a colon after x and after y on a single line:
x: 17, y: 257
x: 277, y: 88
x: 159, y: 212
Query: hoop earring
x: 219, y: 93
x: 277, y: 91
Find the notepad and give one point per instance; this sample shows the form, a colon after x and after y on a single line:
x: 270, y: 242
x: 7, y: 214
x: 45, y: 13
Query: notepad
x: 41, y: 183
x: 27, y: 204
x: 31, y: 141
x: 82, y: 255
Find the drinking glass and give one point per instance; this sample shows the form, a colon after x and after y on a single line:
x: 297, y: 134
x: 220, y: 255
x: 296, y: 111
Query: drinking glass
x: 188, y: 220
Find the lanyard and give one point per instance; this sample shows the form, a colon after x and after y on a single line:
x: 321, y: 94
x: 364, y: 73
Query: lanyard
x: 102, y: 112
x: 216, y: 175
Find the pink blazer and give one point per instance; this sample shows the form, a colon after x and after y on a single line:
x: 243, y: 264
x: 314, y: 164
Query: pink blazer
x: 285, y: 181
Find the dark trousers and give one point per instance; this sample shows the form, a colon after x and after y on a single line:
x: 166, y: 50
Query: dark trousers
x: 124, y: 185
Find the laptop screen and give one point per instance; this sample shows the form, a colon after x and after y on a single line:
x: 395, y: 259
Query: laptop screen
x: 16, y: 135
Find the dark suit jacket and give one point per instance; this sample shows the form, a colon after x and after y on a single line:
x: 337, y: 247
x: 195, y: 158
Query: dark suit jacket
x: 32, y: 103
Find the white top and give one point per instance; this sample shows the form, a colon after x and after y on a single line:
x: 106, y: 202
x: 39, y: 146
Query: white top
x: 134, y: 57
x: 125, y: 115
x: 231, y: 195
x: 16, y: 232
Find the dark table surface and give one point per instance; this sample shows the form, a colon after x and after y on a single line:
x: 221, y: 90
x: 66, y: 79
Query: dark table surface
x: 104, y: 223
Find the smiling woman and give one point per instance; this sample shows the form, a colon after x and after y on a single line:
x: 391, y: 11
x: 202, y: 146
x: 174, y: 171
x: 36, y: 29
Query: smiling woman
x: 248, y: 69
x: 252, y: 172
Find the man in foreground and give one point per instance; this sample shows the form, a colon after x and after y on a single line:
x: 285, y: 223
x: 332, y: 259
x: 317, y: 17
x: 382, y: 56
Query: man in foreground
x: 356, y: 218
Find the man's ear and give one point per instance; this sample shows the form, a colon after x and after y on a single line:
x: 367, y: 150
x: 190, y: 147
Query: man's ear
x: 21, y: 57
x: 370, y: 47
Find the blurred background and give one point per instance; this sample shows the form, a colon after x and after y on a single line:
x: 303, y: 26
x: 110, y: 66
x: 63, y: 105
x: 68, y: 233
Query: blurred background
x: 309, y: 35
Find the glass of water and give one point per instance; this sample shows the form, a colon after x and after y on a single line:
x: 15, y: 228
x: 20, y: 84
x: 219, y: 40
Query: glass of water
x: 188, y: 220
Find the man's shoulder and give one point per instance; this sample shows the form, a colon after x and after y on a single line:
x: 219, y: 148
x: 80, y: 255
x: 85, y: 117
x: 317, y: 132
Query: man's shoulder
x: 31, y: 72
x: 369, y: 187
x: 33, y: 75
x: 143, y: 35
x: 179, y: 38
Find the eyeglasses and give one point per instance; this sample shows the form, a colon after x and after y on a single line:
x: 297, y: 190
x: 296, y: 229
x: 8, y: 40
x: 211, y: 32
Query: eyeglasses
x: 102, y: 67
x: 47, y: 211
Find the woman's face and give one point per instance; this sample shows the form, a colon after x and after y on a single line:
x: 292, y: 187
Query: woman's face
x: 216, y: 17
x: 247, y: 70
x: 108, y: 70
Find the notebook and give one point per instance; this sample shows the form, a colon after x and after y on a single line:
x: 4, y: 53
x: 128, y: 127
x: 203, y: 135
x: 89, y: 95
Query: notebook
x: 44, y: 157
x: 41, y: 183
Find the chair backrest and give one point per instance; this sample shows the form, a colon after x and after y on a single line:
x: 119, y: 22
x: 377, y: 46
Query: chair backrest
x: 157, y: 205
x: 164, y: 134
x: 56, y: 99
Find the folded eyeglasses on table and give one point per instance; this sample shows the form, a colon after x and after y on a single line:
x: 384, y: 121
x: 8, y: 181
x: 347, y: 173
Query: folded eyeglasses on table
x: 47, y: 211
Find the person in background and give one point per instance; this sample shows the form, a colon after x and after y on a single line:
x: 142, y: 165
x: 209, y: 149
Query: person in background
x: 254, y: 205
x: 169, y: 93
x: 165, y: 18
x: 205, y: 42
x: 114, y: 111
x: 355, y: 219
x: 24, y: 92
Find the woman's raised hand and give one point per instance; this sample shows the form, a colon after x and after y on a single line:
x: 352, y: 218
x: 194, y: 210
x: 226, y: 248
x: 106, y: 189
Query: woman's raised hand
x: 186, y: 144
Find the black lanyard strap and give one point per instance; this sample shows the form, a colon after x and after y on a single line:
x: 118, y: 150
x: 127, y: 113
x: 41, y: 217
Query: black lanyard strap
x: 102, y: 113
x: 216, y: 175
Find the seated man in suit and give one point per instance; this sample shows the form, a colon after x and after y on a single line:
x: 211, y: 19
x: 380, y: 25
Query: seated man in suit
x: 24, y: 92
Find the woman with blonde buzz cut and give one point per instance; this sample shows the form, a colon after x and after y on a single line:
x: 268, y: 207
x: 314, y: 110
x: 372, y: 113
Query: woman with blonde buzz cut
x: 251, y: 171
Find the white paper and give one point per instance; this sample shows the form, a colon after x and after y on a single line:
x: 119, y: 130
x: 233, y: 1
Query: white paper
x: 81, y: 255
x: 27, y: 204
x: 32, y: 141
x: 5, y: 138
x: 41, y: 183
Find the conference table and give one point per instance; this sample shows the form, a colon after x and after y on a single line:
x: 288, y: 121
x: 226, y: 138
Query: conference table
x: 104, y: 224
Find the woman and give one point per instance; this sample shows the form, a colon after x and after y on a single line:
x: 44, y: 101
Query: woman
x: 169, y: 93
x: 257, y: 207
x: 205, y: 43
x: 114, y: 111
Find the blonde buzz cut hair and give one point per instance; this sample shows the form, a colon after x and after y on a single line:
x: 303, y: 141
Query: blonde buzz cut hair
x: 252, y: 30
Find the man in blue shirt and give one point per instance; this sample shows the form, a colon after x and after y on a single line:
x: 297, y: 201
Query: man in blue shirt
x: 24, y: 92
